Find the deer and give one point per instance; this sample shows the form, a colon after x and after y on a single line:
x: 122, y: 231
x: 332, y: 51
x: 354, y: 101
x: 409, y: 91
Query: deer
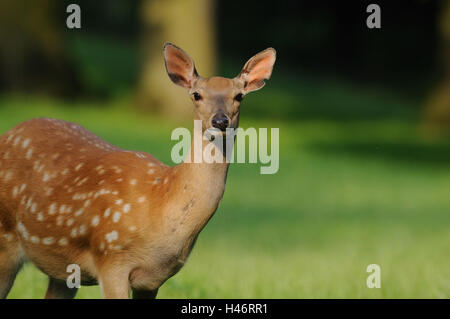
x: 127, y: 220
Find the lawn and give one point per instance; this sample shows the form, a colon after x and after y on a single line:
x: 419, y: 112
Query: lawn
x: 349, y: 193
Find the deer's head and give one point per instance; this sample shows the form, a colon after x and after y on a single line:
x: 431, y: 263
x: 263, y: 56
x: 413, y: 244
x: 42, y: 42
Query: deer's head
x: 217, y: 100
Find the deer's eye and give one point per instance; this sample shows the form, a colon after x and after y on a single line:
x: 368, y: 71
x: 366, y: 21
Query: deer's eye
x: 197, y: 96
x: 239, y: 97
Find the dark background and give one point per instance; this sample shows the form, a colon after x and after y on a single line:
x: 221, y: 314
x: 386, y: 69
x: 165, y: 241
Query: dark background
x: 312, y: 37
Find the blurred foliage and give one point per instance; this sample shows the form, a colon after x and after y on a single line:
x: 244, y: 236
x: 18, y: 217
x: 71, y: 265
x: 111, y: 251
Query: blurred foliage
x: 33, y: 52
x: 437, y: 113
x: 105, y: 65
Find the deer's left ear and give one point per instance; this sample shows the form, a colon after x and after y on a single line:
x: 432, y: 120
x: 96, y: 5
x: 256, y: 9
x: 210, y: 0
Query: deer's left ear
x: 258, y: 69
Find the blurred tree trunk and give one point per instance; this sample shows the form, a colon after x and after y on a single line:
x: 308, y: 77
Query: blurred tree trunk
x: 32, y: 47
x: 188, y: 24
x: 437, y: 112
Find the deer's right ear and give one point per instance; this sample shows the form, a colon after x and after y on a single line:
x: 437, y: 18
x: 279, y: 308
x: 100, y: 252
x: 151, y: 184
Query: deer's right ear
x: 179, y: 66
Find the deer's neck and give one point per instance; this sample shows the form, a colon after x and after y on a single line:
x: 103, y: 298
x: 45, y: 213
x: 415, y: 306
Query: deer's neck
x: 201, y: 187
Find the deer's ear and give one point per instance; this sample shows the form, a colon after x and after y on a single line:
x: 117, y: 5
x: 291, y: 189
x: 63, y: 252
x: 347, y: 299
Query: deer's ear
x: 179, y: 66
x: 258, y: 69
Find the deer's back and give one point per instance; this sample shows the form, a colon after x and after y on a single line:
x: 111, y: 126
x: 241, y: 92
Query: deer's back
x: 63, y: 187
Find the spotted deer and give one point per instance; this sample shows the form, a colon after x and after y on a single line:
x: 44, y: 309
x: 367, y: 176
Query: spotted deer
x: 126, y: 219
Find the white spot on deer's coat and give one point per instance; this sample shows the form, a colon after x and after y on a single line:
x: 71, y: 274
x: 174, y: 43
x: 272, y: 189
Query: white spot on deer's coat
x: 70, y: 222
x: 74, y: 232
x: 107, y: 212
x: 141, y: 199
x: 21, y: 227
x: 29, y: 153
x: 84, y: 180
x: 63, y: 241
x: 52, y: 209
x: 95, y: 221
x: 150, y: 171
x: 116, y: 217
x: 15, y: 191
x: 48, y: 191
x: 126, y: 208
x: 25, y: 143
x: 29, y: 202
x: 112, y: 236
x: 79, y: 166
x: 26, y: 235
x: 34, y: 239
x: 46, y: 177
x: 79, y: 212
x: 48, y: 240
x: 78, y: 196
x: 82, y: 229
x: 133, y: 182
x: 119, y: 201
x: 22, y: 188
x: 132, y: 228
x: 16, y: 141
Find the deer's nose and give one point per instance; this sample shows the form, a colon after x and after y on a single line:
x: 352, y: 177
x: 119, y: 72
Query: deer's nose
x: 220, y: 121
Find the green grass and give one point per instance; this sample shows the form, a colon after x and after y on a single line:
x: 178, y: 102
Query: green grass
x: 348, y: 194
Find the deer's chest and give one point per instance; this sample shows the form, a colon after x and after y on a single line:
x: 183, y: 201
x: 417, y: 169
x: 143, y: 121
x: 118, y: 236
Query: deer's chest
x: 163, y: 262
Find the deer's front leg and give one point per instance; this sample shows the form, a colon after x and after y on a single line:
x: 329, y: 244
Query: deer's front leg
x: 57, y: 289
x: 144, y: 294
x: 114, y: 283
